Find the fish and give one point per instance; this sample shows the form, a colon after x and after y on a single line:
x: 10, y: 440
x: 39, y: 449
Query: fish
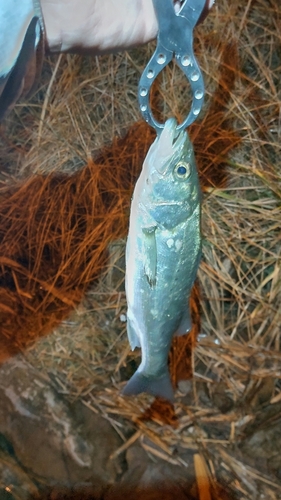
x: 163, y: 252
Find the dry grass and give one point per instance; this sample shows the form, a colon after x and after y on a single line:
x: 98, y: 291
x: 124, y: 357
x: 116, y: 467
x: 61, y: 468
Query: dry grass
x: 55, y: 231
x: 56, y: 228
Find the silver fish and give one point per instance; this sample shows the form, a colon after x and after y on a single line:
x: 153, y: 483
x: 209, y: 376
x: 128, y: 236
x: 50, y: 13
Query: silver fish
x: 162, y: 257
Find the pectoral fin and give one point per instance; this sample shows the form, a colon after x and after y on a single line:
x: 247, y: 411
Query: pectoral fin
x: 185, y: 324
x: 150, y: 254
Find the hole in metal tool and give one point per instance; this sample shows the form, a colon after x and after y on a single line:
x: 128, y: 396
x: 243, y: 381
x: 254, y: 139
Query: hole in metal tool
x: 186, y: 60
x: 198, y: 94
x: 171, y: 94
x: 195, y: 76
x: 143, y: 91
x: 161, y: 58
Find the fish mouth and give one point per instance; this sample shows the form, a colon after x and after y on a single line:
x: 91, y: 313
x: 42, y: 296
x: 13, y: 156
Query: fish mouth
x: 169, y: 142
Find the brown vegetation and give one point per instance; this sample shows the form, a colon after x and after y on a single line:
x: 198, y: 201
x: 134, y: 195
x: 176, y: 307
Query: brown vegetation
x: 61, y: 211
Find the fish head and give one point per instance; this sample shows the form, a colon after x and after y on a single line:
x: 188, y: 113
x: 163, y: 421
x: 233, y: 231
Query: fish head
x: 171, y: 179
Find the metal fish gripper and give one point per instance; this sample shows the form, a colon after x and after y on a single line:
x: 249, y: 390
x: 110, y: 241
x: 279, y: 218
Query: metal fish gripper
x: 174, y: 41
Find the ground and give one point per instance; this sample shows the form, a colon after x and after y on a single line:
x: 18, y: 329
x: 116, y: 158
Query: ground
x: 69, y: 161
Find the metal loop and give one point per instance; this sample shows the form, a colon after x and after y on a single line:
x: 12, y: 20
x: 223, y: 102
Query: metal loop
x: 175, y: 39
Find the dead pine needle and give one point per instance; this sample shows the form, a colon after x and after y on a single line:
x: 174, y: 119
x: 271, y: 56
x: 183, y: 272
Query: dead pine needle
x: 202, y: 478
x: 69, y: 162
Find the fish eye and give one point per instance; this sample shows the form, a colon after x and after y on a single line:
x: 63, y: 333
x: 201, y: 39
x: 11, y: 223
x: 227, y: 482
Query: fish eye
x: 182, y: 170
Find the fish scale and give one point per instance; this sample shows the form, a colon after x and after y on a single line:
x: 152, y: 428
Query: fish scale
x: 162, y: 256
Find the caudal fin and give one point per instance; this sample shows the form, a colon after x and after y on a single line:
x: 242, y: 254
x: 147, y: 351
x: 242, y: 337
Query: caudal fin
x: 161, y: 386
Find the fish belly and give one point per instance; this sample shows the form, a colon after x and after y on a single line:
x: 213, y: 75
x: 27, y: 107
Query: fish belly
x: 156, y: 312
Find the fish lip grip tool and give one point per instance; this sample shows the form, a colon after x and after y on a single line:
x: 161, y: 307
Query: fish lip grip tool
x: 174, y: 41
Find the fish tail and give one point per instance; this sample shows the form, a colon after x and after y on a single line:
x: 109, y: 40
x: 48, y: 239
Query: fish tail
x: 161, y: 387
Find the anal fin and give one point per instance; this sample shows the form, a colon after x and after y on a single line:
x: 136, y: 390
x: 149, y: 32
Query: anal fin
x: 132, y: 335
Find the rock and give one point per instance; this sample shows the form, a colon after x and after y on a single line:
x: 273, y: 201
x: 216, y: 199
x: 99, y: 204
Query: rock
x: 263, y: 447
x: 221, y: 397
x: 152, y: 480
x: 58, y: 443
x: 261, y: 440
x: 14, y: 482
